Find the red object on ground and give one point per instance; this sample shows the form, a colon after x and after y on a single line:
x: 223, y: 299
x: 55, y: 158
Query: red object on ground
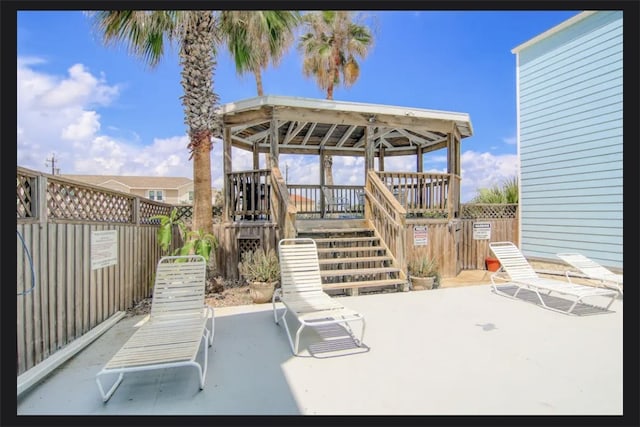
x: 492, y: 264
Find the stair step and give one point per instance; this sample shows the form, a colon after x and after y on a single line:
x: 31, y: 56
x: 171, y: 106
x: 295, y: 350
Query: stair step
x: 358, y: 272
x: 346, y: 239
x: 363, y: 284
x: 324, y: 261
x: 350, y: 249
x: 335, y: 230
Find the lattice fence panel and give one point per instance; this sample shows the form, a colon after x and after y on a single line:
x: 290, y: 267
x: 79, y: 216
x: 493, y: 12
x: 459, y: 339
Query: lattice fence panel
x: 149, y: 209
x: 71, y: 201
x: 25, y: 194
x: 488, y: 211
x: 247, y: 245
x: 185, y: 213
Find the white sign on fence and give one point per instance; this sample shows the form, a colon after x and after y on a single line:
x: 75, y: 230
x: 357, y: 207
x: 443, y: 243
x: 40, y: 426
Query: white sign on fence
x: 420, y: 235
x: 104, y: 248
x: 481, y: 230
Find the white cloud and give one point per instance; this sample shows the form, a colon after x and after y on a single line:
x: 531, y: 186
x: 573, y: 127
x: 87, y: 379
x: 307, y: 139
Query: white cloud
x: 84, y: 128
x: 510, y: 140
x: 58, y: 115
x: 484, y: 170
x: 72, y: 131
x: 80, y: 88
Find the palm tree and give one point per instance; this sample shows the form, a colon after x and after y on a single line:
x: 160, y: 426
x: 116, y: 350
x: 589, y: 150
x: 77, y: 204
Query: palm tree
x: 145, y: 34
x: 257, y: 38
x: 330, y: 49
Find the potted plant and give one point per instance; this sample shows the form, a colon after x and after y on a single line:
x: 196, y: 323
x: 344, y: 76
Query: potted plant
x: 492, y: 264
x: 261, y: 270
x: 424, y: 273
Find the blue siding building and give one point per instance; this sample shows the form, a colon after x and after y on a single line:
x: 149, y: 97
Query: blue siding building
x: 569, y: 102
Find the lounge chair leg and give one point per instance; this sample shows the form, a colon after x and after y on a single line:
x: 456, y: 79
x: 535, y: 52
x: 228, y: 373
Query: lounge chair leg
x: 203, y: 371
x: 295, y: 351
x: 540, y: 299
x: 294, y: 347
x: 213, y: 325
x: 276, y: 295
x: 573, y: 306
x: 611, y: 302
x: 362, y: 334
x: 107, y: 396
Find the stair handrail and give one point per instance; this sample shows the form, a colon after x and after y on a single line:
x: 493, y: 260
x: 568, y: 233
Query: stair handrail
x: 387, y: 216
x: 283, y: 211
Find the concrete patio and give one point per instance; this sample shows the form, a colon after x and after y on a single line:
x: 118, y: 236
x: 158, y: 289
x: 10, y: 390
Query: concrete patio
x: 452, y: 351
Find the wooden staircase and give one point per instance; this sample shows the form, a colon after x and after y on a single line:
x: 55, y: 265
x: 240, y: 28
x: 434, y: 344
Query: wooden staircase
x: 352, y: 257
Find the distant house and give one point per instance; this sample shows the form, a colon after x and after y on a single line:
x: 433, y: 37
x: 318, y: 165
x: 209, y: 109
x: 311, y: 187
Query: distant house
x: 569, y: 103
x: 172, y: 190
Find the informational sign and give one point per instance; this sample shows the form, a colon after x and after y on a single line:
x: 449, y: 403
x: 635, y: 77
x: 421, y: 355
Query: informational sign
x: 104, y: 248
x: 420, y: 235
x: 481, y: 230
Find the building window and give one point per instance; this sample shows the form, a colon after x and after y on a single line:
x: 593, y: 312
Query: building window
x: 155, y: 195
x: 191, y: 196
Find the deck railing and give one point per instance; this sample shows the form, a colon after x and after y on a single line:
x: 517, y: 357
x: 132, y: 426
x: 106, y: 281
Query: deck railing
x: 424, y: 194
x: 248, y: 193
x: 387, y: 216
x: 284, y: 212
x: 322, y: 201
x: 430, y: 195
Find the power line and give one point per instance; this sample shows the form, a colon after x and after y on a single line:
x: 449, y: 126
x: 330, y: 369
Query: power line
x: 52, y: 161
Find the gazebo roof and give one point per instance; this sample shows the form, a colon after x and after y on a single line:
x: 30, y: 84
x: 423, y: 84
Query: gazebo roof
x: 306, y: 125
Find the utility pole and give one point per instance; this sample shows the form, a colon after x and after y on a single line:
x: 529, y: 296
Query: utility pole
x: 52, y: 161
x: 286, y: 173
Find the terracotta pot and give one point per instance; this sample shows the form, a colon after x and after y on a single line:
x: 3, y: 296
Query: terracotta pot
x: 421, y: 283
x: 492, y: 264
x: 262, y: 292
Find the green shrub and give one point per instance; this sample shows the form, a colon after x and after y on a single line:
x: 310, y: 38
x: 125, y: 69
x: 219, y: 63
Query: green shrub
x: 260, y: 266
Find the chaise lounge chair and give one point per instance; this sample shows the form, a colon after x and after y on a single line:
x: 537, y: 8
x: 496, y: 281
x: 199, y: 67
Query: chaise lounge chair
x: 521, y: 274
x: 177, y: 324
x: 302, y: 295
x: 334, y: 204
x: 592, y: 270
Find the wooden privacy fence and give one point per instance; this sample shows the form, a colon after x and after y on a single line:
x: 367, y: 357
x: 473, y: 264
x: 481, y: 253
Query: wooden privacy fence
x: 454, y: 244
x: 503, y: 224
x: 60, y: 295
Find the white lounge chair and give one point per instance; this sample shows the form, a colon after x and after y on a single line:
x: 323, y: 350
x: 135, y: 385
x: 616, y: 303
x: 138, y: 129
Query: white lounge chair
x: 334, y: 204
x: 521, y: 274
x: 301, y: 292
x: 176, y: 326
x: 592, y: 270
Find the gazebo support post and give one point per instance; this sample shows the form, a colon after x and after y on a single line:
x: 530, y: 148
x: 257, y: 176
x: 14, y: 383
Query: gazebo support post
x: 273, y: 147
x: 322, y: 174
x: 226, y: 168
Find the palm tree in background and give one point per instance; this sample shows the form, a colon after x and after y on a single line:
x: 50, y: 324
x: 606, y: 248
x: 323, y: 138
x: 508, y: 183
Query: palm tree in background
x: 256, y: 39
x: 330, y: 48
x: 145, y: 33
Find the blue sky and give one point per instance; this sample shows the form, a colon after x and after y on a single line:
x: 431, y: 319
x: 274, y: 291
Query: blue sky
x: 102, y: 111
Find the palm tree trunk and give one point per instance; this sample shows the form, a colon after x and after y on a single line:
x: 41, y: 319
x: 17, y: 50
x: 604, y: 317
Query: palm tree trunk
x: 202, y: 212
x: 199, y: 101
x: 328, y: 170
x: 258, y: 75
x: 328, y: 160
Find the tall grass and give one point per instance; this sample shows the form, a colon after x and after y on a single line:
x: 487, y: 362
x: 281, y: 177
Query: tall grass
x: 507, y: 193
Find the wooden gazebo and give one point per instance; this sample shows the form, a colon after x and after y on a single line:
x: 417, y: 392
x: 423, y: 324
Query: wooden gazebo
x: 291, y: 125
